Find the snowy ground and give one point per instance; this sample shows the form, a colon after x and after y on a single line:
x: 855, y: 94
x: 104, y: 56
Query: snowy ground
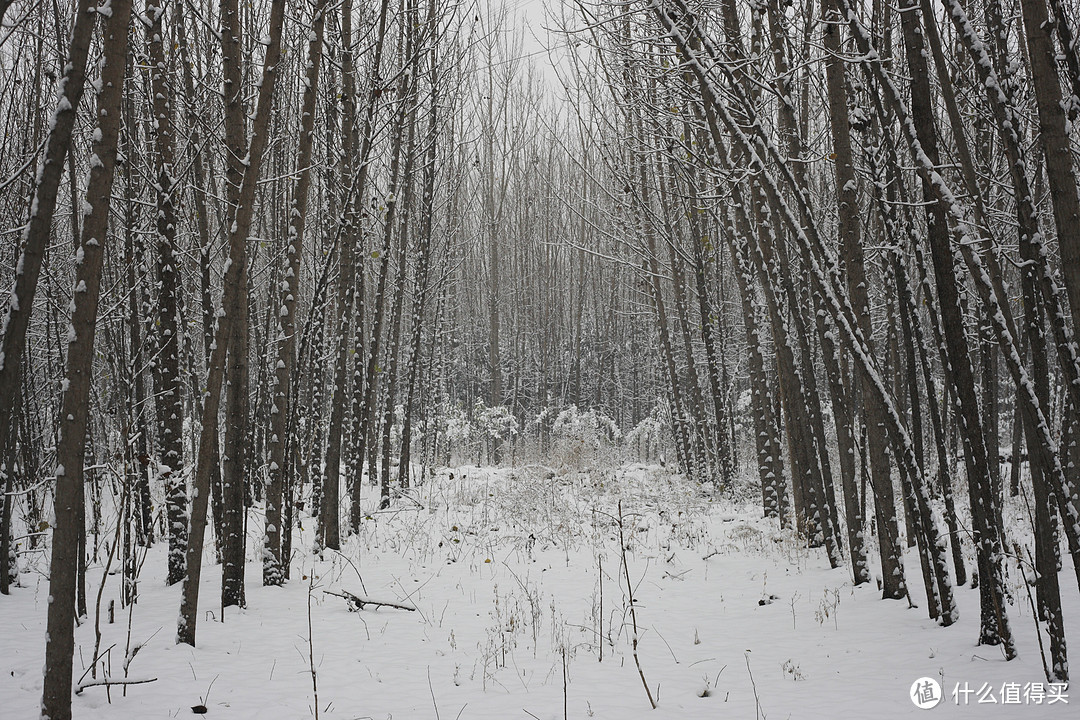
x: 504, y: 570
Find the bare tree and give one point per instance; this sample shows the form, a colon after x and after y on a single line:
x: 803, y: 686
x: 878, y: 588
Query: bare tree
x: 233, y: 287
x: 20, y: 304
x: 75, y: 394
x: 281, y: 415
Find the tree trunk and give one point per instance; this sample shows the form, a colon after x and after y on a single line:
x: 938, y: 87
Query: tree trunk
x: 238, y: 236
x: 235, y: 306
x: 355, y: 173
x: 75, y: 395
x: 169, y: 395
x: 283, y: 422
x: 890, y: 552
x: 822, y: 271
x: 20, y: 303
x: 1057, y: 150
x: 424, y: 240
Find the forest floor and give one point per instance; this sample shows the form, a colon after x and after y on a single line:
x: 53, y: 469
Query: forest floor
x: 518, y: 587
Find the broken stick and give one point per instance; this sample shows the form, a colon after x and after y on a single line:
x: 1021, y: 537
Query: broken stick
x: 106, y: 683
x: 358, y: 603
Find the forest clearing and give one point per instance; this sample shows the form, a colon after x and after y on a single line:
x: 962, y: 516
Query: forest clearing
x: 504, y: 569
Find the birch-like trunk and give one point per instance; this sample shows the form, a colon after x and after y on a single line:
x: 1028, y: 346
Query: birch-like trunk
x: 282, y: 418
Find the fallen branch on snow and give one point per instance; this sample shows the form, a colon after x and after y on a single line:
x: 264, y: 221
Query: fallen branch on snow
x: 82, y: 686
x: 358, y: 603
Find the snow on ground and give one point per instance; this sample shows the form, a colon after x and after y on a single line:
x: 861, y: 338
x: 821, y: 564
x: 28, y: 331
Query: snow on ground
x: 518, y: 586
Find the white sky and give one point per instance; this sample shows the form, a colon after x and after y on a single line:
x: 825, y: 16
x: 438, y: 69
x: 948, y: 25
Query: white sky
x: 532, y: 15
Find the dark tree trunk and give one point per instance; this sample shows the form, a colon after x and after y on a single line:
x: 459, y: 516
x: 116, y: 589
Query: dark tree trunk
x: 75, y: 396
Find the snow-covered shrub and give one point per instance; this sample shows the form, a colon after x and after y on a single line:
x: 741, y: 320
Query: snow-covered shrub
x: 496, y: 423
x: 491, y: 427
x: 456, y: 435
x: 541, y: 425
x: 646, y: 440
x: 584, y: 436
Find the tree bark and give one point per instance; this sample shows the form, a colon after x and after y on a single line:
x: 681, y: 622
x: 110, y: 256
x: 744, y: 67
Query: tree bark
x: 282, y: 419
x: 75, y: 395
x: 1057, y: 151
x: 169, y: 393
x: 238, y: 236
x: 20, y: 304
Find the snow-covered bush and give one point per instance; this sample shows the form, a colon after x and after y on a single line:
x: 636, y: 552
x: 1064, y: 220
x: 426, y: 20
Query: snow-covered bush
x: 584, y: 436
x: 541, y: 425
x: 491, y: 427
x: 456, y: 435
x: 496, y: 423
x: 646, y: 440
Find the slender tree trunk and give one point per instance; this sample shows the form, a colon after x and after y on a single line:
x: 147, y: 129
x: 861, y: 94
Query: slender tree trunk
x: 424, y: 240
x: 812, y: 514
x: 170, y: 399
x: 282, y: 418
x: 235, y: 306
x: 393, y: 339
x: 355, y: 172
x: 20, y: 303
x: 700, y: 242
x: 491, y: 220
x: 766, y: 428
x: 695, y: 401
x: 238, y: 236
x: 1042, y: 446
x: 1046, y: 556
x: 789, y: 129
x: 1057, y: 150
x: 921, y: 137
x: 822, y: 272
x: 893, y: 585
x: 330, y: 500
x: 202, y: 224
x: 75, y: 395
x: 133, y: 261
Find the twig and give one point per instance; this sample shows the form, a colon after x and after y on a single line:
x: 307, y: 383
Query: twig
x: 107, y: 683
x: 355, y: 569
x: 94, y: 662
x: 358, y: 603
x: 600, y: 616
x: 757, y: 700
x: 1034, y: 613
x: 311, y: 648
x: 135, y: 650
x: 668, y: 646
x: 105, y: 579
x: 209, y: 687
x: 432, y: 691
x: 633, y: 611
x: 565, y: 704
